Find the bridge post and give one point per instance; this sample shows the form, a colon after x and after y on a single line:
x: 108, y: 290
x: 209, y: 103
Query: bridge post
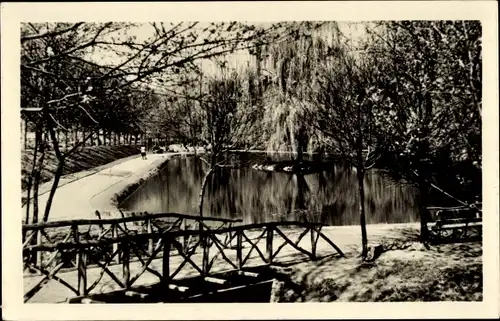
x: 166, y: 261
x: 38, y: 255
x: 313, y: 243
x: 269, y: 243
x: 150, y: 241
x: 228, y: 240
x: 126, y: 263
x: 206, y: 252
x: 184, y: 237
x: 239, y: 256
x: 114, y: 235
x: 81, y: 262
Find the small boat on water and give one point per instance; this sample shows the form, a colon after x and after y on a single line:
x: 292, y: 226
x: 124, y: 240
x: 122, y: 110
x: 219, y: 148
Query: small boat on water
x: 303, y: 167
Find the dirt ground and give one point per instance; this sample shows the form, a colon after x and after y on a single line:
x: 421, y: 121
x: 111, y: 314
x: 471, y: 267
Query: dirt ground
x: 404, y: 271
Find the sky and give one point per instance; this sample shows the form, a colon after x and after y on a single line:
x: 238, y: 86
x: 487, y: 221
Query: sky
x: 237, y: 60
x: 353, y: 31
x: 145, y: 31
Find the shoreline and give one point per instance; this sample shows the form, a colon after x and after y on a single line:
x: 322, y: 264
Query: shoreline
x: 107, y: 201
x: 75, y: 176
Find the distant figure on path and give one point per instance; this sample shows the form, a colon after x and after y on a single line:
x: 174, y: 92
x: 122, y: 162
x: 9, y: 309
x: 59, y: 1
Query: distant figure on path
x: 143, y: 152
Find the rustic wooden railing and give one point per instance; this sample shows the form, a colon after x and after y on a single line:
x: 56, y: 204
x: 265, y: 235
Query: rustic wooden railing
x: 82, y: 230
x: 151, y: 240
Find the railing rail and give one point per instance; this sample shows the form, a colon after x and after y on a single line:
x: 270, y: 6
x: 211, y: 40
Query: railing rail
x: 140, y: 217
x: 210, y: 243
x: 146, y: 236
x: 74, y: 233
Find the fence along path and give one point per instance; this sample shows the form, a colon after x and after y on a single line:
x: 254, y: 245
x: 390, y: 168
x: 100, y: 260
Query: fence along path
x: 83, y: 257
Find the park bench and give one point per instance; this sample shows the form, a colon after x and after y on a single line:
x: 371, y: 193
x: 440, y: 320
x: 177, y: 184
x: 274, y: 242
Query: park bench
x: 457, y: 222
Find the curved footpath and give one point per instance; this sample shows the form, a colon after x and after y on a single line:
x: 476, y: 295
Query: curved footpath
x: 79, y: 198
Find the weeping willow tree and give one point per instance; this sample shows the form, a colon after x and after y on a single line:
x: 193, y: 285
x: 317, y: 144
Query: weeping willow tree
x: 252, y: 101
x: 289, y: 68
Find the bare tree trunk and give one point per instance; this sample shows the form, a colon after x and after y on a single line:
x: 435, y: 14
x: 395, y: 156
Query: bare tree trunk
x: 301, y: 144
x: 37, y: 177
x: 99, y: 142
x: 75, y: 135
x: 258, y: 57
x: 59, y: 171
x: 423, y: 191
x: 25, y: 134
x: 300, y: 154
x: 66, y: 141
x: 291, y: 136
x: 200, y: 206
x: 362, y: 217
x: 37, y: 180
x: 38, y: 139
x: 57, y: 177
x: 202, y: 191
x: 91, y: 137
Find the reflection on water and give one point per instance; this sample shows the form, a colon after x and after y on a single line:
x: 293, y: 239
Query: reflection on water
x: 256, y: 196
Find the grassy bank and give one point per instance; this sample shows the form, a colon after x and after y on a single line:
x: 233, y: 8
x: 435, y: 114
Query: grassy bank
x: 87, y: 158
x: 404, y: 271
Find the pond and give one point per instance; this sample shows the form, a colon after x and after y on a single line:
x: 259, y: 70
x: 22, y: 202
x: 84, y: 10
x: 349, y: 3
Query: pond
x: 255, y: 196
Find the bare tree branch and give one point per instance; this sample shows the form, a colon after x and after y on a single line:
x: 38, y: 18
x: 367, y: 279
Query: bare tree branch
x: 51, y: 33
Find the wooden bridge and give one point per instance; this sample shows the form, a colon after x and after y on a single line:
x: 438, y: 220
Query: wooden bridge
x: 79, y: 258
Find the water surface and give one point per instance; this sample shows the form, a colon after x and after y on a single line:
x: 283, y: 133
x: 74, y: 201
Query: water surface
x: 255, y: 196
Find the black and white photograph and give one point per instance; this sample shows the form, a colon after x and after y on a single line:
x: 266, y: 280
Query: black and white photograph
x: 185, y: 161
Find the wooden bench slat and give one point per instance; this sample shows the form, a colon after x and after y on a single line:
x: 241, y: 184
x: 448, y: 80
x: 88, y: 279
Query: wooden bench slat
x: 449, y: 226
x: 455, y: 226
x: 459, y: 220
